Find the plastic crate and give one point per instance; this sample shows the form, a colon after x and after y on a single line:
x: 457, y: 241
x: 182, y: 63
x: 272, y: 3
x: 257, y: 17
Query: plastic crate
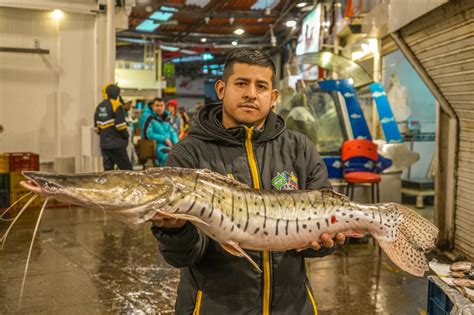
x: 4, y: 198
x: 4, y: 163
x: 4, y: 181
x: 15, y: 179
x: 23, y: 161
x: 17, y: 194
x: 438, y: 302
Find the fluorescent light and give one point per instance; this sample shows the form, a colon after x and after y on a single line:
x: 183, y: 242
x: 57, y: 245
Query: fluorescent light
x: 263, y: 4
x: 207, y: 56
x: 239, y: 31
x: 57, y: 14
x: 161, y: 16
x: 351, y: 81
x: 169, y: 48
x: 290, y: 23
x: 188, y: 52
x: 168, y: 9
x: 203, y: 40
x: 147, y: 26
x: 234, y: 43
x: 199, y: 3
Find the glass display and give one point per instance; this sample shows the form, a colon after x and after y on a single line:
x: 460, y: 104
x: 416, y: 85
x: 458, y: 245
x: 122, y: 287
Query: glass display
x: 317, y: 115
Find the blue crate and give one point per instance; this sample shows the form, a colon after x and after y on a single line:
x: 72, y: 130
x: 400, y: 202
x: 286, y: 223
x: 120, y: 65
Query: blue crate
x: 438, y: 301
x: 4, y: 198
x: 4, y: 181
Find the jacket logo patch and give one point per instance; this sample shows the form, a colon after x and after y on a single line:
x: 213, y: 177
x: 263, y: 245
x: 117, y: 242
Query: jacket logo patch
x: 285, y: 181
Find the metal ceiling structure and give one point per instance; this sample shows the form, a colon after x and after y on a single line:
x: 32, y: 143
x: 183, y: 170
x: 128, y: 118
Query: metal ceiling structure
x: 201, y: 25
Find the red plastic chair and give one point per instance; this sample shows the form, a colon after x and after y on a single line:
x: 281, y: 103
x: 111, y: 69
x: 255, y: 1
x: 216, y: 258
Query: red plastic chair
x: 361, y: 148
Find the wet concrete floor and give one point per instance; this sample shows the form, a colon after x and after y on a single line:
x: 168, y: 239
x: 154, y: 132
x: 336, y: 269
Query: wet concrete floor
x: 84, y: 264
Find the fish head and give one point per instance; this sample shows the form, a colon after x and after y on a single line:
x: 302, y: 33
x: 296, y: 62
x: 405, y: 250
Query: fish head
x: 112, y: 190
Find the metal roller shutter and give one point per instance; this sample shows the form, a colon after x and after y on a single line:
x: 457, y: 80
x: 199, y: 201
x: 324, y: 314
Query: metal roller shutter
x: 443, y: 43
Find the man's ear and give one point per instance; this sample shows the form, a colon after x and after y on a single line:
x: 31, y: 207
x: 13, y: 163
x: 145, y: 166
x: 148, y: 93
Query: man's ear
x: 275, y: 95
x: 220, y: 88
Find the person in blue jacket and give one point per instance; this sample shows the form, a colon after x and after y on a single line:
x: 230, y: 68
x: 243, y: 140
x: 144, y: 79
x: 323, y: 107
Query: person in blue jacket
x: 156, y: 127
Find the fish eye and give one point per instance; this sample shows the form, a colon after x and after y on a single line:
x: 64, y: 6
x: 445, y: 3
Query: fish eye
x: 101, y: 180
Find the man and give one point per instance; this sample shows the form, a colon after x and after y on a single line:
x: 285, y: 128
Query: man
x: 245, y: 140
x: 156, y: 127
x: 110, y: 124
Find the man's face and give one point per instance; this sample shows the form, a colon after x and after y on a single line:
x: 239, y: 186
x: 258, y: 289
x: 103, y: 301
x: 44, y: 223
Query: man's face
x: 247, y: 95
x: 158, y: 107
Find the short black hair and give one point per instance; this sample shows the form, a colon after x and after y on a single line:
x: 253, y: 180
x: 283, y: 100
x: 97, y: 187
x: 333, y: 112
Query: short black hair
x: 251, y: 56
x: 157, y: 99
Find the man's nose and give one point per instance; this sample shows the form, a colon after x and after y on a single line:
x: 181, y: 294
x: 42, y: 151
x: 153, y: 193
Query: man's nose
x: 250, y: 92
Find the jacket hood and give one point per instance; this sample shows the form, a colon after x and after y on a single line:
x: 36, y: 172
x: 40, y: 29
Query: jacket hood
x: 209, y: 127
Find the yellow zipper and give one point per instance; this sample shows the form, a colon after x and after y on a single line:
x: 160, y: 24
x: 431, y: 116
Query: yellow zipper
x: 266, y: 254
x: 197, y: 306
x: 313, y: 302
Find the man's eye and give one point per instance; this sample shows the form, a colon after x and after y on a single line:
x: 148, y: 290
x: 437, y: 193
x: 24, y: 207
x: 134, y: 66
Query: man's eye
x: 261, y: 87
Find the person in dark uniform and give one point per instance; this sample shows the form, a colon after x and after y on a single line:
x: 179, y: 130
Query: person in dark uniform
x: 110, y: 124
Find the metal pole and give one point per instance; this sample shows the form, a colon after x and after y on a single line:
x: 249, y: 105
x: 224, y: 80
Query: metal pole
x: 110, y: 43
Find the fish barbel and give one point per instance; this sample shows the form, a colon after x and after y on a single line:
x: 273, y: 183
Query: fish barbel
x: 239, y: 217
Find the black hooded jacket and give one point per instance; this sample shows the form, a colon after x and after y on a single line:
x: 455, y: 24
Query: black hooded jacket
x: 213, y: 281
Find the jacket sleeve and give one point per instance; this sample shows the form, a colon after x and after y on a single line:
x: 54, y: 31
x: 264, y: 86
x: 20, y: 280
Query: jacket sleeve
x: 120, y: 123
x: 185, y: 246
x: 96, y: 117
x: 173, y: 136
x: 181, y: 247
x: 317, y: 179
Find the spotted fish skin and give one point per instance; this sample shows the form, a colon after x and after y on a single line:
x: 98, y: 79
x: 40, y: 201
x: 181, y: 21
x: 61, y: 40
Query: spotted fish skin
x: 230, y: 212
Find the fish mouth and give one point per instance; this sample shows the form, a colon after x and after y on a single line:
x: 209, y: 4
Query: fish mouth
x: 37, y: 183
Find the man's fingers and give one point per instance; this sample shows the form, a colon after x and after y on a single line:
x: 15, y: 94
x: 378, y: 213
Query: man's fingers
x: 340, y: 238
x: 315, y: 245
x: 326, y: 240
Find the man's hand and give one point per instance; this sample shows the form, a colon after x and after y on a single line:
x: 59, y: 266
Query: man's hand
x: 325, y: 240
x: 169, y: 143
x: 160, y: 221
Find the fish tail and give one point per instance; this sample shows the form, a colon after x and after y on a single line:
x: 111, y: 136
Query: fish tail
x: 413, y: 235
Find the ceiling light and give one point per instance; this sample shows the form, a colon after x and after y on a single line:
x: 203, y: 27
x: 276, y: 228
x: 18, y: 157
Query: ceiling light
x: 231, y: 20
x: 234, y: 43
x: 169, y: 48
x: 188, y: 52
x: 301, y: 4
x: 239, y: 31
x: 207, y: 19
x: 203, y: 40
x: 147, y: 26
x: 149, y: 8
x: 259, y: 20
x: 290, y: 23
x: 57, y: 14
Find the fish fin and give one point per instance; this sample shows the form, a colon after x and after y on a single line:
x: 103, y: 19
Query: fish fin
x: 181, y: 216
x: 234, y: 249
x: 231, y: 250
x: 331, y: 193
x: 219, y: 177
x: 413, y: 236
